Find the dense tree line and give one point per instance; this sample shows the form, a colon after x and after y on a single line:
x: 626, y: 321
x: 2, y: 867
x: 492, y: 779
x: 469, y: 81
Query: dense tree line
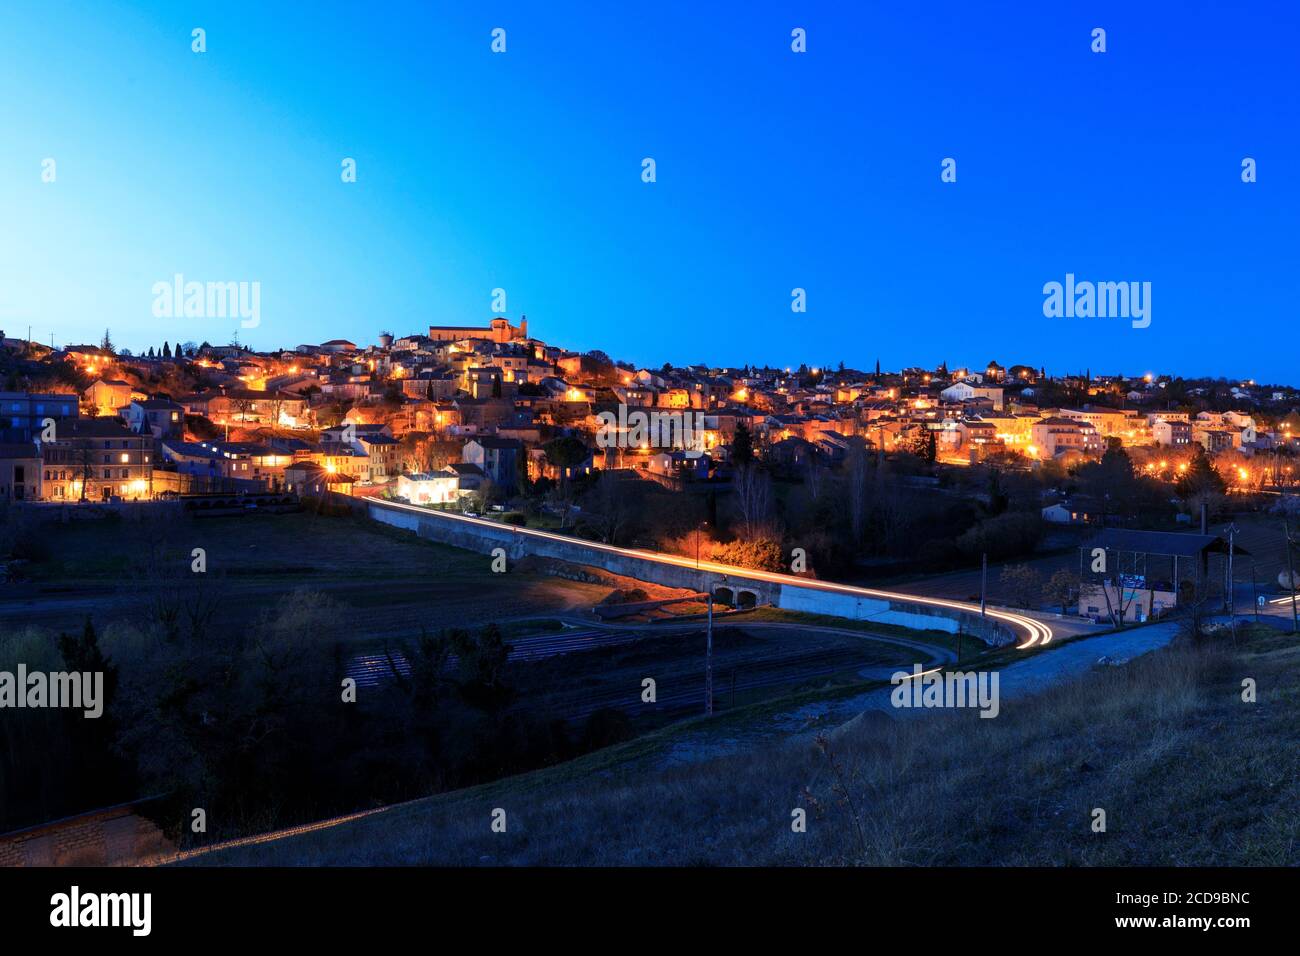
x: 255, y: 726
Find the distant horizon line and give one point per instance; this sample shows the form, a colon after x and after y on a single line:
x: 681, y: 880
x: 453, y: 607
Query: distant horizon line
x: 649, y: 366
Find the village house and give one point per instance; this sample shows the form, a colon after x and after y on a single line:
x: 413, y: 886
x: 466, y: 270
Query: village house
x: 337, y: 346
x: 155, y: 416
x: 370, y: 454
x: 1171, y: 433
x: 966, y: 391
x: 310, y: 480
x: 1057, y: 436
x: 469, y: 477
x: 1126, y: 425
x: 1216, y: 440
x: 501, y: 459
x: 97, y: 459
x: 1071, y: 512
x: 20, y: 471
x: 106, y: 397
x: 247, y: 461
x: 436, y: 488
x: 23, y: 414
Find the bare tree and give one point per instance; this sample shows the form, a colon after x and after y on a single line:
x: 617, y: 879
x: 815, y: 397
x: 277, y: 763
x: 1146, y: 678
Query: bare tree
x: 894, y: 515
x: 1023, y: 583
x: 857, y: 470
x: 1062, y: 588
x: 1117, y: 609
x: 179, y: 599
x: 816, y: 481
x: 1195, y: 611
x: 277, y: 403
x: 754, y: 497
x: 613, y: 507
x: 85, y: 459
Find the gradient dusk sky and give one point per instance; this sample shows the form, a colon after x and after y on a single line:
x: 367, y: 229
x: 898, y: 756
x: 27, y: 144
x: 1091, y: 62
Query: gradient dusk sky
x: 775, y: 170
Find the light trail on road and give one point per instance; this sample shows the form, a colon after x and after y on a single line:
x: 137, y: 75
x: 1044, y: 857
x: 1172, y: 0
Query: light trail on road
x: 1036, y: 633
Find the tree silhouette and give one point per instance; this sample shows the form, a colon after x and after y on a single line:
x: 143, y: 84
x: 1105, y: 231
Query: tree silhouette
x: 742, y: 446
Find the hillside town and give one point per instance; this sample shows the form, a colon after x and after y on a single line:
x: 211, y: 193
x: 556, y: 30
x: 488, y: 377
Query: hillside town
x: 465, y: 416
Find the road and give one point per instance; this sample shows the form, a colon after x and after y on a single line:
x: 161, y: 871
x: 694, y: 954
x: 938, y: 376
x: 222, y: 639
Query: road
x: 1036, y: 632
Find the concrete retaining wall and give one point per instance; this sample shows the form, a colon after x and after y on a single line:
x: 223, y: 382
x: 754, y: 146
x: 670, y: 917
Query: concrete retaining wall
x: 485, y: 536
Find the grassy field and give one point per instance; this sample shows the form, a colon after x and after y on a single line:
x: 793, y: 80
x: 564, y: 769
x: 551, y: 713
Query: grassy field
x: 389, y: 582
x: 1187, y: 773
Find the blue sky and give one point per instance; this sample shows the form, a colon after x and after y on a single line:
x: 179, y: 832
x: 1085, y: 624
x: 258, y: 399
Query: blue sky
x: 775, y: 171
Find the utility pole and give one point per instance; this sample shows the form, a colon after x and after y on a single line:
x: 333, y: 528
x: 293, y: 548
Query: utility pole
x: 984, y: 580
x: 1232, y: 598
x: 1254, y: 591
x: 1290, y: 570
x: 708, y: 662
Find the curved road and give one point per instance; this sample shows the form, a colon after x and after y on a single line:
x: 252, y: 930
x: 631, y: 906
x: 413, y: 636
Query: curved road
x: 1036, y: 633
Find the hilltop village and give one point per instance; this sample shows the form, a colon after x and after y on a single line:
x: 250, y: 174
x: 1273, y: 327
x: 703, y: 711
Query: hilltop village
x: 475, y: 412
x: 490, y: 419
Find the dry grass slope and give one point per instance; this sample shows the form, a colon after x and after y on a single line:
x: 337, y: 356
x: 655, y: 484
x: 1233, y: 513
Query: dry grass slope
x: 1187, y: 773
